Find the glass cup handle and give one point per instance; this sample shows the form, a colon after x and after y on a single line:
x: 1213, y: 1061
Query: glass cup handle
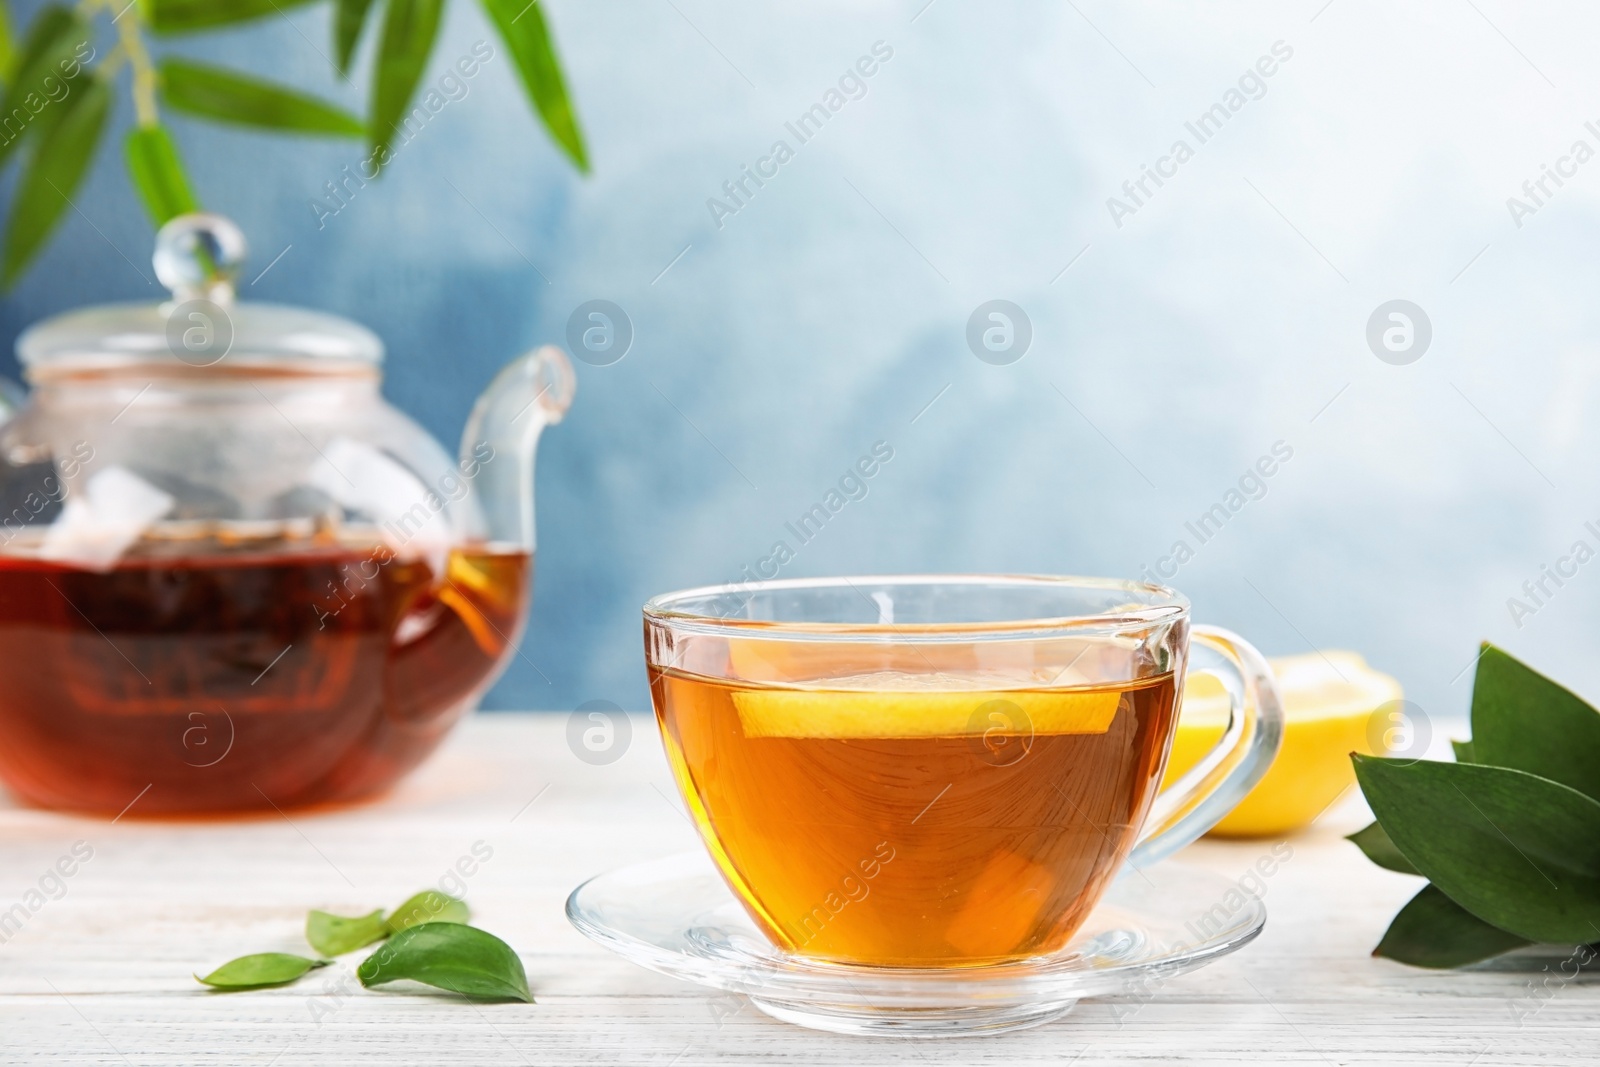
x: 1205, y: 793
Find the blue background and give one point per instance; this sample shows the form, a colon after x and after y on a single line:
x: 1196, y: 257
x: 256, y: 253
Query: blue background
x: 1169, y: 353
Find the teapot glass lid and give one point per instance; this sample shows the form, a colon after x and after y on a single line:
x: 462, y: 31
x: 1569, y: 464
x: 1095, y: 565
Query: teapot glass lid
x: 199, y: 258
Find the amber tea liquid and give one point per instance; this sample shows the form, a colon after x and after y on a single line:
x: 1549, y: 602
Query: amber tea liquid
x: 914, y: 827
x: 245, y: 675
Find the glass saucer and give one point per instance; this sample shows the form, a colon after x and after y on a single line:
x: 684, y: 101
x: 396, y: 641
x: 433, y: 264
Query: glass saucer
x: 678, y: 917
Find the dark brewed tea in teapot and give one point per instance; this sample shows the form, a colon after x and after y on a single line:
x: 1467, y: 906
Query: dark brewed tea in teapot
x: 226, y: 676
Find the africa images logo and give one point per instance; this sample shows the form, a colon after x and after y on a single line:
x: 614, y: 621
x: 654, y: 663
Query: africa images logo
x: 851, y: 85
x: 1251, y: 85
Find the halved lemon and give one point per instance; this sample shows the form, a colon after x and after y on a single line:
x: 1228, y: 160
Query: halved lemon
x: 1334, y: 705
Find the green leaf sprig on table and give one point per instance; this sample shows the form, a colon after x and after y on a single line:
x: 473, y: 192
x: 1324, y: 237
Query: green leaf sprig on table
x: 427, y: 940
x: 58, y: 90
x: 1508, y: 836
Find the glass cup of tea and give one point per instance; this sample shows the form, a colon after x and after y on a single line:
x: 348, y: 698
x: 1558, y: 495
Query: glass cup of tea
x: 942, y: 771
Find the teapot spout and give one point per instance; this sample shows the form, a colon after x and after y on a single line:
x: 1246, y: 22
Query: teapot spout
x: 502, y: 436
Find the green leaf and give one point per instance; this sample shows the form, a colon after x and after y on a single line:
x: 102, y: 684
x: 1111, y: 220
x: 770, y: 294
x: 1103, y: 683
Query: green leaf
x: 409, y: 30
x: 8, y: 45
x: 522, y: 27
x: 58, y: 166
x: 47, y: 64
x: 226, y: 96
x: 157, y: 173
x: 1434, y: 931
x: 1518, y: 851
x: 1522, y: 719
x: 260, y: 971
x: 1464, y: 751
x: 428, y: 906
x: 186, y: 16
x: 334, y: 935
x: 348, y: 22
x: 1380, y: 850
x: 462, y: 959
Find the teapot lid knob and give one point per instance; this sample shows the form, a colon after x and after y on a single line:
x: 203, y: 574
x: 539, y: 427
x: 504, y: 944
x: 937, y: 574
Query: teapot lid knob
x: 198, y: 256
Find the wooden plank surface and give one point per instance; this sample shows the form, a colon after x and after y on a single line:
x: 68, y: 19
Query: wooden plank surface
x: 100, y: 972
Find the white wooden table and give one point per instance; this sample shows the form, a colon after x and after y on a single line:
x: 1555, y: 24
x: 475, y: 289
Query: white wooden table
x: 102, y: 974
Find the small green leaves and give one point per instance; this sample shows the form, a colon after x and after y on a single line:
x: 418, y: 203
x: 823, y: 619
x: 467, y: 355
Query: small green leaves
x: 186, y: 16
x: 1522, y: 719
x: 1374, y: 841
x: 261, y: 971
x: 1434, y: 931
x: 59, y: 163
x: 334, y: 935
x: 349, y: 18
x: 428, y: 906
x: 522, y: 27
x: 158, y: 175
x: 461, y: 959
x: 409, y: 29
x: 428, y: 942
x: 1516, y: 850
x: 224, y: 96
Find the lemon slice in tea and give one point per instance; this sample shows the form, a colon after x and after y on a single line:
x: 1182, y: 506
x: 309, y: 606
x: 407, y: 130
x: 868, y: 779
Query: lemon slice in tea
x: 893, y: 704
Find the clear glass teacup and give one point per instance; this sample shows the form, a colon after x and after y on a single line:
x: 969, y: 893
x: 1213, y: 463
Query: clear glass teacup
x: 942, y: 771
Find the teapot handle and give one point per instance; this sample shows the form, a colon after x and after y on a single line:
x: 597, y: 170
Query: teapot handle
x: 502, y: 436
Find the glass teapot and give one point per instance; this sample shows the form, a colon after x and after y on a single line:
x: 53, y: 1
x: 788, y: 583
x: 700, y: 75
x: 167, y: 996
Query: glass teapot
x: 231, y: 575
